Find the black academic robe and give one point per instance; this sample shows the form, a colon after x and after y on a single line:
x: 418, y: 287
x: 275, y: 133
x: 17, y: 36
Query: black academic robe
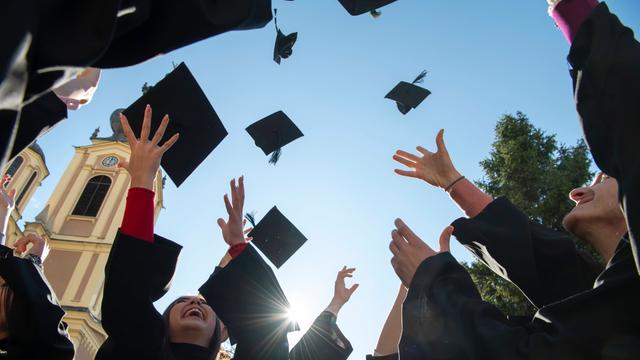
x: 444, y: 316
x: 605, y: 61
x: 543, y: 263
x: 36, y: 329
x: 245, y: 295
x: 46, y: 43
x: 248, y: 299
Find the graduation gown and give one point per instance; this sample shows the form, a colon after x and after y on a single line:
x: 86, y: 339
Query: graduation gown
x: 605, y: 61
x: 46, y: 43
x: 245, y: 295
x: 36, y: 329
x: 543, y: 263
x: 444, y: 316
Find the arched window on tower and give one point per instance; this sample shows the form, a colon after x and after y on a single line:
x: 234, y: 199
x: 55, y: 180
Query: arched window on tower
x: 15, y: 165
x: 92, y: 196
x: 26, y: 188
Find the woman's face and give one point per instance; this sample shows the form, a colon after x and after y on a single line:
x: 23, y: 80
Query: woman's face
x: 596, y: 204
x: 191, y: 315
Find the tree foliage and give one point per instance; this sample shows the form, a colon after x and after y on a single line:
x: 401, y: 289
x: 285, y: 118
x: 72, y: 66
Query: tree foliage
x: 535, y: 173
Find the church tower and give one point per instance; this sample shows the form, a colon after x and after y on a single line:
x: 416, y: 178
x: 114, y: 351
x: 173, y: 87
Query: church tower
x: 80, y: 221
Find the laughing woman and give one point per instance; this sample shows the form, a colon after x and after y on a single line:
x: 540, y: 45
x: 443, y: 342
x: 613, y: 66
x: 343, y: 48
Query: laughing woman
x: 242, y: 292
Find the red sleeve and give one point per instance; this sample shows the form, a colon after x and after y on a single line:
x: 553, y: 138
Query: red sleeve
x: 570, y: 14
x: 138, y: 214
x: 237, y: 249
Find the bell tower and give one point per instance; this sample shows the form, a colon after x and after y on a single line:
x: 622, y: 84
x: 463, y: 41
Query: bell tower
x: 80, y: 221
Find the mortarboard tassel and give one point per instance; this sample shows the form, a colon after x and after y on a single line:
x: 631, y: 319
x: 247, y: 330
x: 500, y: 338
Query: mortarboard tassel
x: 275, y: 156
x: 251, y: 218
x: 375, y: 13
x: 420, y: 78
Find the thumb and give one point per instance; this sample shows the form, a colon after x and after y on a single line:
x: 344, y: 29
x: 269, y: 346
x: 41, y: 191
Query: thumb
x: 221, y: 223
x: 353, y: 288
x: 440, y: 141
x: 123, y: 165
x: 445, y: 238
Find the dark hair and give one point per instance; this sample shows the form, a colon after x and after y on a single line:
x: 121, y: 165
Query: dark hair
x: 216, y: 339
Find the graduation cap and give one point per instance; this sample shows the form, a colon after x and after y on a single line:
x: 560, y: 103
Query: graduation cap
x: 284, y: 43
x: 408, y: 95
x: 272, y: 133
x: 276, y: 236
x: 191, y: 115
x: 358, y: 7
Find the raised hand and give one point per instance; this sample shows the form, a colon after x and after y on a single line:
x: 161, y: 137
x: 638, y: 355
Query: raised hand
x: 40, y: 247
x: 145, y: 154
x: 226, y: 259
x: 434, y: 168
x: 232, y: 229
x: 409, y: 251
x: 342, y: 293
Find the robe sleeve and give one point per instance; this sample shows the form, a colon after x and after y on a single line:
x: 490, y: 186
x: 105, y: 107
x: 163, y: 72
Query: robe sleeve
x: 544, y: 264
x: 248, y: 299
x: 136, y: 275
x: 605, y: 61
x: 445, y: 318
x: 323, y: 341
x: 35, y: 320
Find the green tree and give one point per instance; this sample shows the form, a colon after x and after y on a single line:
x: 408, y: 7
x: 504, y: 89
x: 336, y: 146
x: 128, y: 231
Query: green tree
x: 536, y: 173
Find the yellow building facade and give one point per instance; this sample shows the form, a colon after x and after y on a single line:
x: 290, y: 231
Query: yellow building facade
x: 79, y: 221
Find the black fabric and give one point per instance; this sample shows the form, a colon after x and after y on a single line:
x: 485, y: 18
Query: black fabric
x: 383, y: 357
x: 137, y: 274
x: 172, y: 25
x: 605, y: 60
x: 357, y: 7
x: 248, y: 299
x: 46, y: 43
x: 323, y: 341
x: 36, y: 329
x: 189, y: 351
x: 544, y: 264
x: 444, y: 317
x: 38, y: 118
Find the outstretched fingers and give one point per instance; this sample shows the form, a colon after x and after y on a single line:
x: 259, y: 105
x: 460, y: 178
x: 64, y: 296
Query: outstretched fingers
x: 128, y: 133
x: 161, y: 129
x: 406, y: 232
x: 440, y: 141
x: 146, y: 124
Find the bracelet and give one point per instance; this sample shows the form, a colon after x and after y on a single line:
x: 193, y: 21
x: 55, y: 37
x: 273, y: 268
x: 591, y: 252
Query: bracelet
x: 453, y: 183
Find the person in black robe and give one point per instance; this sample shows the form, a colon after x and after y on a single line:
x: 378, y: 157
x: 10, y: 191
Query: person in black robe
x: 444, y: 316
x: 605, y: 61
x: 48, y: 43
x: 31, y: 323
x: 243, y: 293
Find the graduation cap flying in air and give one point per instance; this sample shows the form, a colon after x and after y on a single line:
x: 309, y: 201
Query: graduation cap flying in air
x: 358, y: 7
x: 409, y: 95
x: 179, y: 96
x: 272, y: 133
x: 284, y: 43
x: 276, y: 237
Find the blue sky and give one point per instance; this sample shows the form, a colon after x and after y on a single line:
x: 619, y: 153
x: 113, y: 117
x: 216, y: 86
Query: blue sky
x: 485, y: 58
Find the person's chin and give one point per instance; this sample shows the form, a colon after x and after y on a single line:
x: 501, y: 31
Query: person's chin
x: 193, y: 324
x: 572, y: 221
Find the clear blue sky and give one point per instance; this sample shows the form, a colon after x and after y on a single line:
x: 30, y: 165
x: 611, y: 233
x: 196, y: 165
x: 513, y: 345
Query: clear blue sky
x: 485, y: 58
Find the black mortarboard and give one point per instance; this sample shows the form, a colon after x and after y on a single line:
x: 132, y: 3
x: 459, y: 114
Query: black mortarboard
x: 276, y: 237
x: 273, y: 132
x: 409, y: 95
x: 284, y: 43
x: 357, y: 7
x: 190, y: 114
